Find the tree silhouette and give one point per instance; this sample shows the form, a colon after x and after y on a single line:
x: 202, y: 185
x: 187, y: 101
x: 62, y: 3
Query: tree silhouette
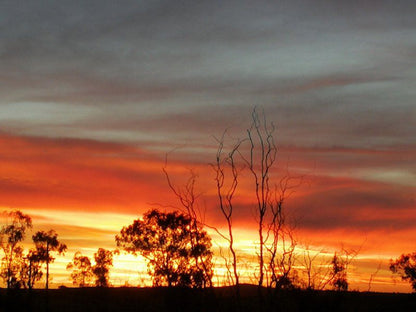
x: 339, y: 273
x: 11, y: 234
x: 260, y: 161
x: 320, y: 272
x: 188, y: 200
x: 405, y: 266
x: 317, y: 269
x: 258, y: 153
x: 47, y: 242
x: 11, y: 268
x: 81, y: 270
x: 31, y: 269
x: 164, y: 239
x: 224, y: 166
x: 280, y: 233
x: 281, y: 266
x: 103, y: 261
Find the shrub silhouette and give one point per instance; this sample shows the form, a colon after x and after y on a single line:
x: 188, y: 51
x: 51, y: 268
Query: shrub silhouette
x: 165, y: 240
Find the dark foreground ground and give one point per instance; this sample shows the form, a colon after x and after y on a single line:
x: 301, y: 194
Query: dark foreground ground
x: 218, y: 299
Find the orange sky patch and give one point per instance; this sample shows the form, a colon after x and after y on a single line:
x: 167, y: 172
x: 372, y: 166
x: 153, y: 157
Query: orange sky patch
x: 88, y: 190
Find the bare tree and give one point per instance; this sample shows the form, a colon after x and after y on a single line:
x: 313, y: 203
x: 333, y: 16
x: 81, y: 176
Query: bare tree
x: 188, y: 200
x: 321, y: 270
x: 373, y: 275
x: 312, y: 271
x: 281, y: 264
x: 226, y: 192
x: 261, y: 158
x: 280, y: 242
x: 258, y: 152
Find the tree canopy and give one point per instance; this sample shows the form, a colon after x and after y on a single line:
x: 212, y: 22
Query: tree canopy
x: 31, y: 270
x: 103, y: 261
x: 405, y: 266
x: 81, y: 270
x: 11, y: 234
x: 47, y: 242
x: 167, y: 241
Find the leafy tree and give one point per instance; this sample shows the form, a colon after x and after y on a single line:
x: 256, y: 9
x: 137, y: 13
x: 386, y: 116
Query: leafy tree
x: 103, y: 261
x: 47, y: 242
x: 31, y: 270
x: 164, y: 239
x: 81, y: 270
x: 10, y: 271
x: 405, y: 266
x: 11, y: 234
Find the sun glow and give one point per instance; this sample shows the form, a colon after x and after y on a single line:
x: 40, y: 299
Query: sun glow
x: 88, y: 231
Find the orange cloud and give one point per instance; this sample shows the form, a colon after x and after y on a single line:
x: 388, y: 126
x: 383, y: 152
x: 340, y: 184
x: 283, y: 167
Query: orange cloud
x: 88, y: 190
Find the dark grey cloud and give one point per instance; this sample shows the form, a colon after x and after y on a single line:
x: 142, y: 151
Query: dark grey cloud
x: 330, y: 73
x: 355, y: 204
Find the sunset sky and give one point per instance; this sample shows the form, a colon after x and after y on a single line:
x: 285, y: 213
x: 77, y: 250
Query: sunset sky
x: 94, y: 94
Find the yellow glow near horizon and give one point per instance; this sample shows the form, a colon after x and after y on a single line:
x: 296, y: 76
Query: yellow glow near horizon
x: 86, y: 232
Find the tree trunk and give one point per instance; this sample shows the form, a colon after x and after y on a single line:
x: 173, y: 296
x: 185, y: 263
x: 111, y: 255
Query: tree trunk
x: 47, y: 266
x: 261, y: 260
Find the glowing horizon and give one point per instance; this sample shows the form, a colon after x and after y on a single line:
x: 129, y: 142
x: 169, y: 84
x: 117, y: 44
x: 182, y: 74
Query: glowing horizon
x: 130, y: 270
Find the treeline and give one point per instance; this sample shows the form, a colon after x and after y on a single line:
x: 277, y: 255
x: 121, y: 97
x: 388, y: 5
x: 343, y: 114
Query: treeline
x: 176, y: 248
x: 20, y: 269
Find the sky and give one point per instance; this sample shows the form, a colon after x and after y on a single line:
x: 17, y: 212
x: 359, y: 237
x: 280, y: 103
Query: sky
x: 95, y: 94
